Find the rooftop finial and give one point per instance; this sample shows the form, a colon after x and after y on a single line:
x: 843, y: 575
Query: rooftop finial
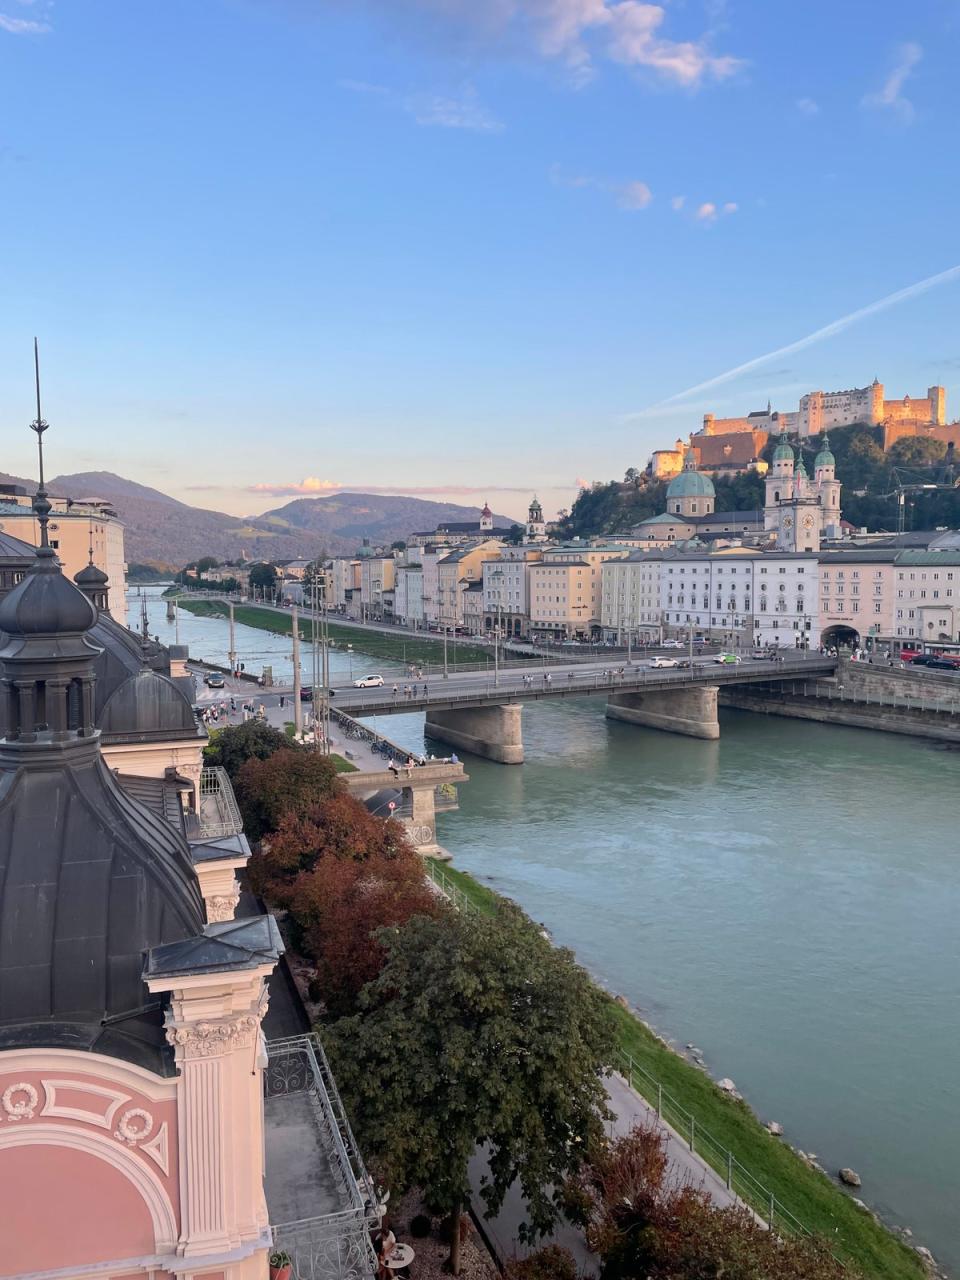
x: 40, y: 504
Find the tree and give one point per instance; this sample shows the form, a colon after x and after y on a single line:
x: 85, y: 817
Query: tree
x: 313, y: 827
x: 233, y: 746
x: 644, y: 1223
x: 263, y: 577
x: 632, y: 476
x: 205, y: 563
x: 399, y: 545
x: 477, y: 1031
x: 515, y: 535
x: 917, y: 451
x: 345, y: 900
x: 287, y: 783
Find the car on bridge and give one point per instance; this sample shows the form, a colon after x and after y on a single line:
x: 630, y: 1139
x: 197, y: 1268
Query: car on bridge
x: 664, y: 662
x: 728, y: 658
x: 368, y: 682
x: 214, y: 680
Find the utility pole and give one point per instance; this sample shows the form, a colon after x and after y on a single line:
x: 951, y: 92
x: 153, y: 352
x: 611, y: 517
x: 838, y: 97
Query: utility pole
x: 233, y: 653
x: 445, y: 671
x: 297, y: 708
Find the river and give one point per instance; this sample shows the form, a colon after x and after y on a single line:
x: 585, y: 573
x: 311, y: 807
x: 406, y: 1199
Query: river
x: 787, y: 898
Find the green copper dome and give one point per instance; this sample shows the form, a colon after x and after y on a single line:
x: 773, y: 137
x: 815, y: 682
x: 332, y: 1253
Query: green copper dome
x: 783, y: 452
x: 825, y: 458
x: 690, y: 484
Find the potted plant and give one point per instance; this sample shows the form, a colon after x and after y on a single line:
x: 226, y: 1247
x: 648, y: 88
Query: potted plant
x: 281, y: 1265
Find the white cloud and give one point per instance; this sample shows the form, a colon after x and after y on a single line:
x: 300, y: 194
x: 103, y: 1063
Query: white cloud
x: 464, y: 111
x: 730, y: 207
x: 577, y: 33
x: 363, y: 86
x: 807, y: 107
x: 890, y: 97
x: 707, y: 212
x: 634, y: 195
x: 22, y: 26
x: 677, y: 203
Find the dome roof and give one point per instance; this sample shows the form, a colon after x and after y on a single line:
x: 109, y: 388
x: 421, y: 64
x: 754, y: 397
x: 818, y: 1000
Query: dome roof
x: 691, y: 484
x: 89, y: 880
x: 147, y: 705
x: 486, y: 512
x: 45, y: 603
x: 825, y: 458
x: 784, y: 451
x: 90, y: 576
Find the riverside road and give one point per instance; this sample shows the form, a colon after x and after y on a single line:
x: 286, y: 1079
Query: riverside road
x: 584, y: 679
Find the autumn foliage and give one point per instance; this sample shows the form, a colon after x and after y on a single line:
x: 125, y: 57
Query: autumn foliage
x: 340, y: 872
x: 643, y: 1223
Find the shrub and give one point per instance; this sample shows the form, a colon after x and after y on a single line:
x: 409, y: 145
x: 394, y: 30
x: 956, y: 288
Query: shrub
x: 552, y: 1262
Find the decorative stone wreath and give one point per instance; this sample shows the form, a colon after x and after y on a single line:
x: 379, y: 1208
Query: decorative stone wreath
x: 126, y: 1130
x: 23, y: 1110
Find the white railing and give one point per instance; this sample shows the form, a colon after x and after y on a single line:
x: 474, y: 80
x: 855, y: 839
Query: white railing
x: 218, y: 814
x: 331, y: 1246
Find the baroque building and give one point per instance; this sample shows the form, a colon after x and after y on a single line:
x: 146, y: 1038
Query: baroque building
x: 798, y: 511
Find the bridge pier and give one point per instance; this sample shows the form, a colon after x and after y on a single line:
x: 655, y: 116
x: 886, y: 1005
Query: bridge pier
x: 493, y: 732
x: 689, y: 711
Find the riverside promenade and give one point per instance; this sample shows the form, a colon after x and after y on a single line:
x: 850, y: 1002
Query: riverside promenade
x: 629, y: 1110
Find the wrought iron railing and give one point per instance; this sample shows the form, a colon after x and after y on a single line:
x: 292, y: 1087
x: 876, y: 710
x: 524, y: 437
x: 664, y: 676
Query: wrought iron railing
x: 332, y: 1246
x: 218, y: 813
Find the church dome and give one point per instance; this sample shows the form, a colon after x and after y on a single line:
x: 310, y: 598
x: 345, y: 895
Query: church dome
x: 691, y: 484
x: 825, y: 458
x: 486, y: 513
x: 90, y: 576
x: 147, y: 705
x: 784, y: 451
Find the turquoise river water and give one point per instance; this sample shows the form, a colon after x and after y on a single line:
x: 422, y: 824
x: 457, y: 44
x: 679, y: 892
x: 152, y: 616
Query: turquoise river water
x: 787, y: 898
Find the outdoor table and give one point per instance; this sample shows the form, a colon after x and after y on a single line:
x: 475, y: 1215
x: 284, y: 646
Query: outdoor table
x: 401, y: 1256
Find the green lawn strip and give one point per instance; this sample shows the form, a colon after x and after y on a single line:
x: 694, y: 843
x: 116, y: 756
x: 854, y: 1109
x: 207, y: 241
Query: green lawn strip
x: 376, y: 644
x: 809, y: 1196
x: 341, y: 765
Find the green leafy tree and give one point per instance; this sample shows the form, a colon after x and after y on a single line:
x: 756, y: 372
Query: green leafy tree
x: 477, y: 1032
x: 233, y: 746
x: 399, y: 545
x: 263, y: 577
x: 205, y: 563
x: 917, y: 451
x: 515, y: 535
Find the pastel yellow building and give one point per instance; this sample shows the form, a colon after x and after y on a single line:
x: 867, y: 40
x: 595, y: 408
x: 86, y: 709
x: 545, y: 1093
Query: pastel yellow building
x: 566, y: 589
x: 76, y: 530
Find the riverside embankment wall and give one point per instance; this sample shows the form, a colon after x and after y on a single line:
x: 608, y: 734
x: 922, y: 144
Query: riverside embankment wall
x: 914, y: 701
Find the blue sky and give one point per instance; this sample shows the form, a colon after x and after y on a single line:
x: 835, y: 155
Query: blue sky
x: 459, y: 247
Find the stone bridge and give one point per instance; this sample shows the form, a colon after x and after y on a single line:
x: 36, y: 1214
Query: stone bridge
x: 481, y: 712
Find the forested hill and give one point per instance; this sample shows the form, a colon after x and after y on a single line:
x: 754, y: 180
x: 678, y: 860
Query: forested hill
x: 864, y: 469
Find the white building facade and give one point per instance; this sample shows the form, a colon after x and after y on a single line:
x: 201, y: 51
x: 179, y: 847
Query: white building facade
x: 506, y: 590
x: 630, y: 599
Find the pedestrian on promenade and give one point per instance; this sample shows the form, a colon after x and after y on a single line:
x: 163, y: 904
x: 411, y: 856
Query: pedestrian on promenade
x: 396, y: 690
x: 426, y: 691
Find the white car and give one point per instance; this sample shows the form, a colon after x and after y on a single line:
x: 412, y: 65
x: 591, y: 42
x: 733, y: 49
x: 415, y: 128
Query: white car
x: 664, y: 662
x: 368, y: 682
x: 673, y: 644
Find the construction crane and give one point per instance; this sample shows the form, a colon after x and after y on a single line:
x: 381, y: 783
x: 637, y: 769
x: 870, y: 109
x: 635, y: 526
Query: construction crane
x: 903, y: 486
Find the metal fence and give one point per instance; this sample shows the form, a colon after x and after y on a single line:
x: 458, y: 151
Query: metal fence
x: 450, y: 888
x: 218, y: 814
x: 332, y: 1246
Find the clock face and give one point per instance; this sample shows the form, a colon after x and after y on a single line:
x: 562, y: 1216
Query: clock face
x: 808, y: 522
x: 787, y: 522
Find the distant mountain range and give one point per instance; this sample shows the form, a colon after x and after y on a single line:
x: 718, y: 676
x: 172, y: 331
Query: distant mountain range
x: 169, y: 534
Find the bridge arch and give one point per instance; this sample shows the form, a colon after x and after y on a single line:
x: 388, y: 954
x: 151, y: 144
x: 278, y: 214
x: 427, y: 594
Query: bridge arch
x: 840, y: 636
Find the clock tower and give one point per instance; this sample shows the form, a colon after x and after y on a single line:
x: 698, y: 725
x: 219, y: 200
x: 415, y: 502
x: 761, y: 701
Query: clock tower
x: 800, y: 511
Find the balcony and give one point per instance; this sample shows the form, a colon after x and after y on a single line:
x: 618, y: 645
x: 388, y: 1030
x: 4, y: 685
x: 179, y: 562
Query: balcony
x: 217, y: 812
x: 318, y: 1191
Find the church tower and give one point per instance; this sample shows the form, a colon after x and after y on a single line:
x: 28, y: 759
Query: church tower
x: 828, y: 488
x: 536, y: 527
x: 486, y: 519
x: 779, y: 481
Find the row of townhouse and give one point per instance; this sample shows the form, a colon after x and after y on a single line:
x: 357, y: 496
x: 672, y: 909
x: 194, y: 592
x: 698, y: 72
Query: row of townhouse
x: 741, y: 596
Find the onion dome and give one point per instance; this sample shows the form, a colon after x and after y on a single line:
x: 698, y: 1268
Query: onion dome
x: 784, y: 451
x: 45, y: 603
x: 93, y: 583
x: 486, y: 513
x: 690, y: 484
x: 825, y: 458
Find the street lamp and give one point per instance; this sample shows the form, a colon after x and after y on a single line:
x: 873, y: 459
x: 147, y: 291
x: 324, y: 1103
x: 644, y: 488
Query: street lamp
x: 497, y: 578
x: 350, y: 656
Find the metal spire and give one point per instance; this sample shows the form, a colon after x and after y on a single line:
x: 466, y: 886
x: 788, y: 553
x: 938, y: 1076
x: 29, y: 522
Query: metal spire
x: 40, y: 503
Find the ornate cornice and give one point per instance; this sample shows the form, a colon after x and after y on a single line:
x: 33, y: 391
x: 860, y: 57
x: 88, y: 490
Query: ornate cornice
x: 211, y: 1039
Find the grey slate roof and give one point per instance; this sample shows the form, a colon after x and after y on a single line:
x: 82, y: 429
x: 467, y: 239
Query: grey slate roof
x: 231, y: 945
x: 89, y: 880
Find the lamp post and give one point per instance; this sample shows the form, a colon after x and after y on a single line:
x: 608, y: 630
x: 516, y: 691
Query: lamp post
x: 497, y: 578
x: 350, y: 656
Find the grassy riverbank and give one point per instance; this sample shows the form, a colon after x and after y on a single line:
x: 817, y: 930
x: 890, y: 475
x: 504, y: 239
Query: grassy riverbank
x: 810, y: 1196
x: 376, y: 644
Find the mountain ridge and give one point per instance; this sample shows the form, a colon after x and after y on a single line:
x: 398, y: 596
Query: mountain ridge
x: 167, y: 533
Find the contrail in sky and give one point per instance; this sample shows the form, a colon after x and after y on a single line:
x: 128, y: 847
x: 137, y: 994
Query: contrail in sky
x: 837, y: 326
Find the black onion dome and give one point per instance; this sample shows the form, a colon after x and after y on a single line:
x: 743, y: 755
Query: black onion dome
x: 89, y: 881
x: 90, y: 576
x: 46, y: 603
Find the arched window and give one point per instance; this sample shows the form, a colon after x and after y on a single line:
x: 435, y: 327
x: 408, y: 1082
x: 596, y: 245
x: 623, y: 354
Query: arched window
x: 776, y: 495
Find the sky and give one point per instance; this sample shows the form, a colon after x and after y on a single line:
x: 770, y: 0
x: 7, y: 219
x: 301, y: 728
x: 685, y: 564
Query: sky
x: 465, y: 249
